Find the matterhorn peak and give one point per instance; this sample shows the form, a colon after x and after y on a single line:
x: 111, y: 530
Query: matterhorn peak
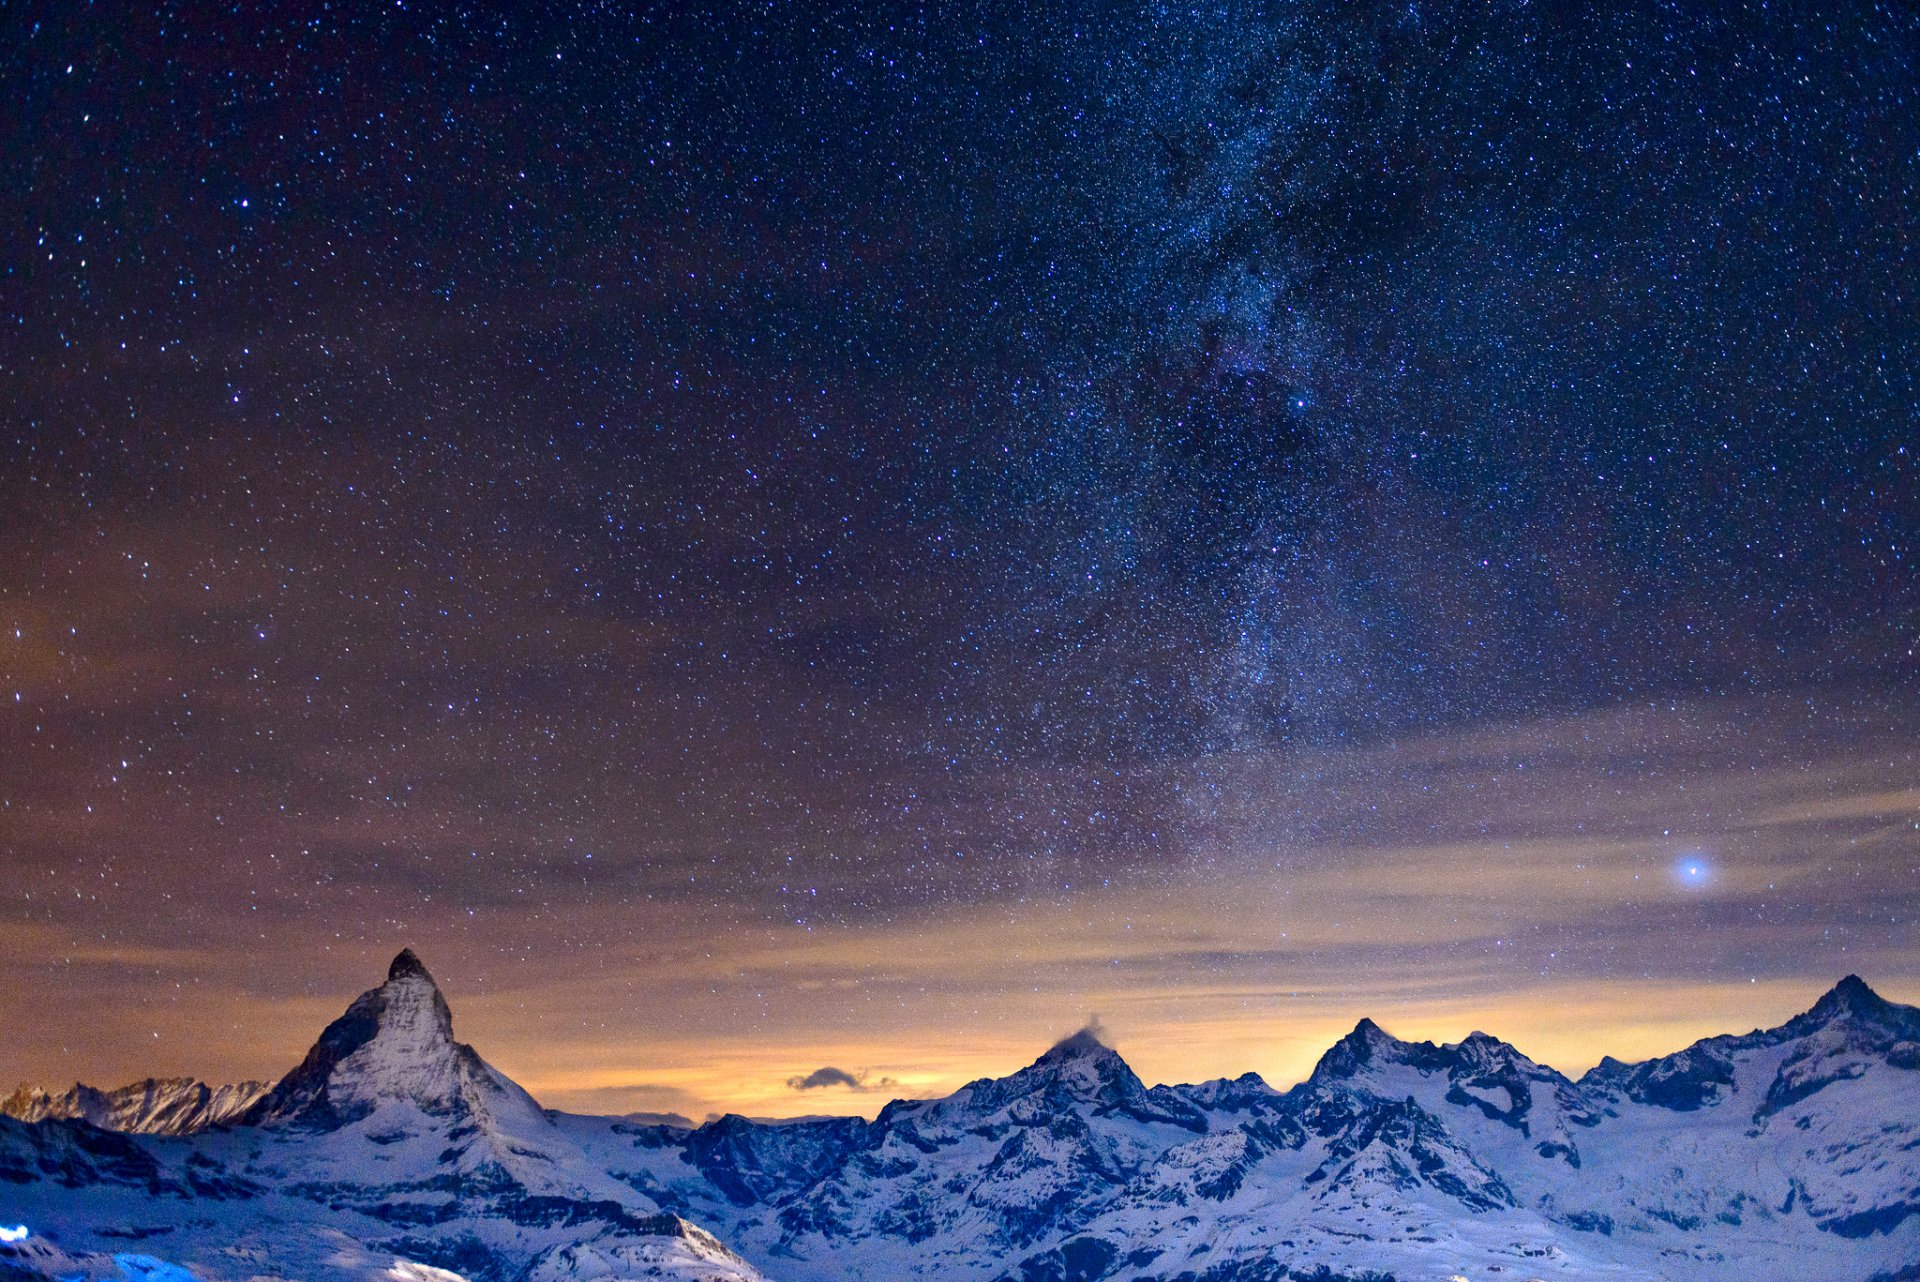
x: 411, y: 998
x: 395, y: 1042
x: 408, y: 965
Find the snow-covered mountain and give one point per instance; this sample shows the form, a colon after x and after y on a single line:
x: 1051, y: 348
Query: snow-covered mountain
x: 155, y: 1106
x: 1790, y: 1153
x: 390, y: 1147
x: 1785, y: 1153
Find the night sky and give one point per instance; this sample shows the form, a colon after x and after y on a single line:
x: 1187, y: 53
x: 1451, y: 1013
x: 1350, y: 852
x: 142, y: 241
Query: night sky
x: 791, y: 538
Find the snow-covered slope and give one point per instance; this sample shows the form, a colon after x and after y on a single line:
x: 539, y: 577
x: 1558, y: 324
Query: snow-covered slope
x: 1790, y: 1153
x: 155, y: 1106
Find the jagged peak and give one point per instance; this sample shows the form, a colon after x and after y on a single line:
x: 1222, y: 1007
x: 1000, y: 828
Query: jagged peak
x: 1080, y: 1067
x: 400, y: 1035
x: 1365, y: 1044
x: 408, y: 966
x: 1486, y: 1048
x: 1084, y: 1060
x: 152, y: 1105
x: 1701, y: 1073
x: 1851, y: 996
x: 1369, y: 1044
x: 1079, y: 1045
x: 1851, y: 1004
x: 1231, y: 1094
x: 1372, y: 1034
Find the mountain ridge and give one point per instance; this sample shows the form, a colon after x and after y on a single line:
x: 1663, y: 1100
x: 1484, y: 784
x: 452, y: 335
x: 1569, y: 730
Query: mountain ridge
x: 31, y: 1101
x: 1792, y: 1147
x: 150, y: 1106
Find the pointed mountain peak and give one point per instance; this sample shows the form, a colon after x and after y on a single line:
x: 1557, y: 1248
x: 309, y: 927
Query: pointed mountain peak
x: 1080, y: 1069
x: 1368, y: 1043
x: 1372, y: 1034
x: 408, y: 966
x: 1481, y: 1044
x: 1083, y: 1044
x: 393, y: 1042
x: 1849, y: 1020
x: 1850, y: 996
x: 1081, y: 1063
x: 1850, y: 1003
x: 410, y: 1003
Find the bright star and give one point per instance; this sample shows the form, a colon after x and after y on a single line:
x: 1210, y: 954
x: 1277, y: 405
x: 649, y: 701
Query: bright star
x: 1693, y: 871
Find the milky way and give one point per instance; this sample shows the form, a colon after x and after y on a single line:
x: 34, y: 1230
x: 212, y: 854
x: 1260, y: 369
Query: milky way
x: 780, y: 540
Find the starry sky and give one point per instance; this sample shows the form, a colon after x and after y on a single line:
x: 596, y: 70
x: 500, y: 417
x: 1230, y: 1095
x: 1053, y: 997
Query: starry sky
x: 799, y: 552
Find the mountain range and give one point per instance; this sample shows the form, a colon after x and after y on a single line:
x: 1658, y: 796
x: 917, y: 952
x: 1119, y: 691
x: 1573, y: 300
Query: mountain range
x: 393, y: 1151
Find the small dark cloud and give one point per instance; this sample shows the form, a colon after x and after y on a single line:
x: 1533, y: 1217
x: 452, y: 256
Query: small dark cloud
x: 822, y: 1078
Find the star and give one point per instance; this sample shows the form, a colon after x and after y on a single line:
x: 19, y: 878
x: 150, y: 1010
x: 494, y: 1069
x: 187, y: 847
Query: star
x: 1693, y: 871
